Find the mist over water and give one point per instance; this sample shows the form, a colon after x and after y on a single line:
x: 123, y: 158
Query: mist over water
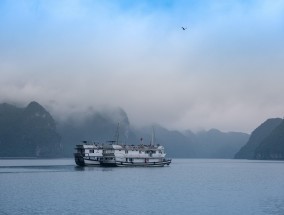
x: 187, y: 186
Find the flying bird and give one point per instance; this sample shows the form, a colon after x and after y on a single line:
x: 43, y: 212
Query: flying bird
x: 183, y: 28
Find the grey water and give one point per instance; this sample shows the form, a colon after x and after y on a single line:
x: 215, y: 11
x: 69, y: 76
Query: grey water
x: 187, y: 186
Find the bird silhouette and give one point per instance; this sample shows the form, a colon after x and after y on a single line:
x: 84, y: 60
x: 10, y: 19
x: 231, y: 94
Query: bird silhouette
x: 183, y: 28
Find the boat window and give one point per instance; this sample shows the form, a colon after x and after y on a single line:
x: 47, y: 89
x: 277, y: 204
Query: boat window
x: 126, y: 151
x: 91, y: 150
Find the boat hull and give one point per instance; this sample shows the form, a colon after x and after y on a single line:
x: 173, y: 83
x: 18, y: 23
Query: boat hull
x: 139, y: 164
x: 80, y: 160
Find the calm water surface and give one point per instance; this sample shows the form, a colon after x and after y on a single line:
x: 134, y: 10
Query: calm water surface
x: 187, y: 186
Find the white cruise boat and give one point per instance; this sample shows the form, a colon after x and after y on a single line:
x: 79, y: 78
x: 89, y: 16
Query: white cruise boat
x: 134, y: 155
x: 88, y: 154
x: 114, y: 154
x: 120, y: 155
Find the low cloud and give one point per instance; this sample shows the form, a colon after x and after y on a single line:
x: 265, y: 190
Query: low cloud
x: 225, y: 71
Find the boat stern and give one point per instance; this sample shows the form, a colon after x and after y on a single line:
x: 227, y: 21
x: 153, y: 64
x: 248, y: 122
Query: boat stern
x: 79, y: 159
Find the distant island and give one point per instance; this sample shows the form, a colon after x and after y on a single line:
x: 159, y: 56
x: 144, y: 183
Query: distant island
x: 31, y: 131
x: 266, y: 142
x: 28, y: 132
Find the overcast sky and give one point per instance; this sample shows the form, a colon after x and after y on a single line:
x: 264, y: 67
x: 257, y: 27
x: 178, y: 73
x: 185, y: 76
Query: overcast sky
x: 225, y: 71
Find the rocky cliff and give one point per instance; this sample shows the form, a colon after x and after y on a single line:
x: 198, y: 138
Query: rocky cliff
x: 28, y: 132
x: 272, y: 147
x: 259, y: 140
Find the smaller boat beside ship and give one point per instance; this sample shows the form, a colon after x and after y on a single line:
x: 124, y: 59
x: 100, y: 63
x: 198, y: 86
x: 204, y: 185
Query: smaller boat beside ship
x: 88, y: 154
x: 119, y: 155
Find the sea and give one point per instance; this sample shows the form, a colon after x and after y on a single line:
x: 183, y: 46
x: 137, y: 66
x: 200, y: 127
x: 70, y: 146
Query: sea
x: 187, y: 186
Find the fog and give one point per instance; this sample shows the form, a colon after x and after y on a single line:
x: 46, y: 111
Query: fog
x: 225, y: 71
